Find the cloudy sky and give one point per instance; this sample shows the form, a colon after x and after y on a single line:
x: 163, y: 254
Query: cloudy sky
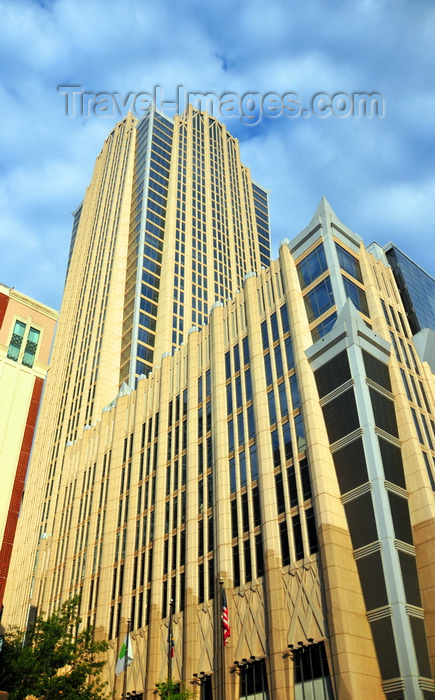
x: 378, y: 173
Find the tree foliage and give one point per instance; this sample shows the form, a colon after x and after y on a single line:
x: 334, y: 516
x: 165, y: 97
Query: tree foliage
x: 169, y: 690
x: 57, y: 662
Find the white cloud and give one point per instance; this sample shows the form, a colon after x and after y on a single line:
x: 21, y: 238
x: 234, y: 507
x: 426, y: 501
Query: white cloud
x: 376, y: 173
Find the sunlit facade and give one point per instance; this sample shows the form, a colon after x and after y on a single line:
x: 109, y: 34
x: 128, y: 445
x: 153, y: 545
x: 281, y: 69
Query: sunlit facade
x: 278, y: 444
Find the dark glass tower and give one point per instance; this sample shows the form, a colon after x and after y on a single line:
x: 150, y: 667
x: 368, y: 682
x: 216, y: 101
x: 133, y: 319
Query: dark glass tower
x: 416, y: 287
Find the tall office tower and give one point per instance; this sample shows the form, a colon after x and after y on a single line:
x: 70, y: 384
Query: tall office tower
x: 170, y: 223
x: 26, y: 333
x: 416, y: 287
x: 282, y: 456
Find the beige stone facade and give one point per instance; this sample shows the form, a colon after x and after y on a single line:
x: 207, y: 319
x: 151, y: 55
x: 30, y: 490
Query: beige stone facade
x: 283, y: 453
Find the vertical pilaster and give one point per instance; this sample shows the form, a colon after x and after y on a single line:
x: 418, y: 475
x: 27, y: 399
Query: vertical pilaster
x: 274, y: 593
x: 191, y: 643
x: 354, y: 669
x: 157, y: 614
x: 221, y: 505
x: 421, y: 500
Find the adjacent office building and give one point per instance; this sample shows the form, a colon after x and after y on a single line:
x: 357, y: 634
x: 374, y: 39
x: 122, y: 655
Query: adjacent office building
x: 416, y: 288
x: 215, y: 423
x: 26, y: 333
x: 417, y: 292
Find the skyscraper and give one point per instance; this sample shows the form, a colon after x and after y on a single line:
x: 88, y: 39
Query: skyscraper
x: 170, y: 223
x: 26, y: 333
x: 283, y: 454
x: 416, y: 287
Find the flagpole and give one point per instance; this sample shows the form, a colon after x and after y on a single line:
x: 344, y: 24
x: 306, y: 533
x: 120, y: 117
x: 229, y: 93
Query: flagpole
x: 223, y: 643
x: 170, y: 646
x: 113, y: 693
x: 223, y: 655
x: 124, y: 691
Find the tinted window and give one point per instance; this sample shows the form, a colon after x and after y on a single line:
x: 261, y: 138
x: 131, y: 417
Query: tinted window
x: 341, y: 416
x: 377, y: 371
x: 385, y: 415
x: 361, y: 520
x: 319, y: 299
x: 350, y: 466
x: 349, y: 263
x: 332, y: 374
x: 312, y: 266
x: 392, y: 462
x: 400, y: 516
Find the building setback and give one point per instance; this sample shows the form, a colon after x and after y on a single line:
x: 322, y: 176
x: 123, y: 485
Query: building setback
x: 26, y: 334
x: 283, y: 453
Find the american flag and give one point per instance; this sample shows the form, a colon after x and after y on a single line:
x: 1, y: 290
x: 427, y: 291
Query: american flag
x: 224, y: 617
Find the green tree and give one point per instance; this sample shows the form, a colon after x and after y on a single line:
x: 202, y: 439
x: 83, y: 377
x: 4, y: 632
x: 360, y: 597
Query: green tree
x: 57, y: 662
x: 169, y: 690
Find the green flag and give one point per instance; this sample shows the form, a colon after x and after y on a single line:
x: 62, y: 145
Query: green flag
x: 125, y: 655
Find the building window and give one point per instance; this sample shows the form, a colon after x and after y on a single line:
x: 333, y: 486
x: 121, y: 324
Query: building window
x: 312, y: 678
x: 16, y: 340
x: 297, y: 537
x: 268, y: 368
x: 312, y: 530
x: 285, y: 319
x: 400, y: 516
x: 289, y: 352
x: 278, y: 361
x: 236, y: 566
x: 253, y: 679
x: 272, y: 408
x: 384, y: 413
x: 259, y: 554
x: 350, y: 466
x: 349, y: 263
x: 280, y: 502
x: 274, y: 326
x: 319, y: 300
x: 356, y: 295
x: 341, y: 415
x: 361, y: 520
x: 324, y: 327
x: 247, y: 558
x: 332, y: 374
x: 312, y: 267
x: 285, y: 550
x: 264, y: 335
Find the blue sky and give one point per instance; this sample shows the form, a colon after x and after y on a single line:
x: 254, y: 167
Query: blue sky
x: 378, y: 174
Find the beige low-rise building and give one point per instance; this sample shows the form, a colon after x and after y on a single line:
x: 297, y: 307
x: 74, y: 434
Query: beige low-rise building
x: 26, y: 334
